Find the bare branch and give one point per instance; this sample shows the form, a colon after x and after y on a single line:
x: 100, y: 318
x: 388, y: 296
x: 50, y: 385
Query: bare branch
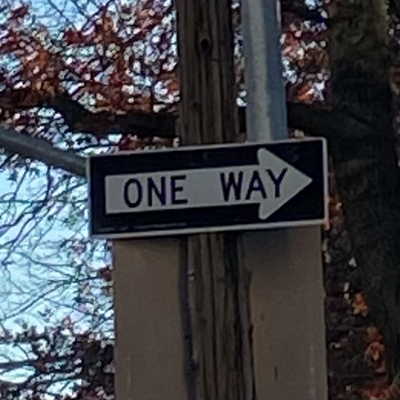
x: 81, y: 120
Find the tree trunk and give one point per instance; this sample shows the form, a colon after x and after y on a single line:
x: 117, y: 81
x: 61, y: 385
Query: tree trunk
x: 367, y: 170
x: 219, y: 354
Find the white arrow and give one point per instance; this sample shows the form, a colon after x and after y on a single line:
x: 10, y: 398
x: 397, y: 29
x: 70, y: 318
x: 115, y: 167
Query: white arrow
x: 271, y: 183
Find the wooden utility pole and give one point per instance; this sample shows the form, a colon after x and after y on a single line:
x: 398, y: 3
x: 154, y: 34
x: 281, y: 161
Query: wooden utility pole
x: 218, y: 351
x: 182, y: 313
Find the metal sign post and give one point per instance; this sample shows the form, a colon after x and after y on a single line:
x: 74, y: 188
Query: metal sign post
x: 286, y: 294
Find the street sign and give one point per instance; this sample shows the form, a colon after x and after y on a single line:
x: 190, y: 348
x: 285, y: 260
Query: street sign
x: 208, y: 189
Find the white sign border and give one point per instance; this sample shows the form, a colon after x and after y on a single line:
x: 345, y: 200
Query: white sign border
x: 214, y: 229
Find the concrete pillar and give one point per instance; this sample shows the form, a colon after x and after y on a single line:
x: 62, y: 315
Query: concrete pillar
x: 287, y: 311
x: 149, y: 350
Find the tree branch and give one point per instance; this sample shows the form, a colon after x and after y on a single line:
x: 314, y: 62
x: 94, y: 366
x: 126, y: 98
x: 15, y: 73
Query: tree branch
x: 312, y: 119
x: 334, y: 124
x: 394, y: 8
x: 13, y: 365
x: 301, y: 10
x: 81, y: 120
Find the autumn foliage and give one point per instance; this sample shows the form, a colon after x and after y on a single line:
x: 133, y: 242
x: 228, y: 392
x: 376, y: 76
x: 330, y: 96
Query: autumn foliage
x: 96, y: 80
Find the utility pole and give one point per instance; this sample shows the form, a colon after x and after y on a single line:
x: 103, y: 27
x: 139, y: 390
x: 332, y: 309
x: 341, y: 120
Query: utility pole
x: 218, y: 353
x: 286, y: 295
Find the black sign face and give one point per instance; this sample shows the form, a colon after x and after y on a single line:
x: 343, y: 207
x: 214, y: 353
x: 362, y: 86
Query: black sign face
x: 208, y: 189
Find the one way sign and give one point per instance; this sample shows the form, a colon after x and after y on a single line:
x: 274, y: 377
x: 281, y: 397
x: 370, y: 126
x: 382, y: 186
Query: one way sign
x: 208, y: 188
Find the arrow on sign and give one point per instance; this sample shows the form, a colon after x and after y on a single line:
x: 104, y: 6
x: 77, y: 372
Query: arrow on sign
x: 271, y: 183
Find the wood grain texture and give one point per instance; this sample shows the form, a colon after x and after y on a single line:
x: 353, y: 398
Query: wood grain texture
x: 220, y: 354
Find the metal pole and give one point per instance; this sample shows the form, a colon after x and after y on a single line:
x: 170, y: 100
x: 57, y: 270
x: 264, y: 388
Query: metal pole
x: 286, y: 291
x: 266, y: 104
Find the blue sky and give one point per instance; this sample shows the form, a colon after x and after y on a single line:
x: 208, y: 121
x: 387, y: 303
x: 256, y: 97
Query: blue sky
x: 40, y: 280
x: 67, y: 201
x: 40, y: 277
